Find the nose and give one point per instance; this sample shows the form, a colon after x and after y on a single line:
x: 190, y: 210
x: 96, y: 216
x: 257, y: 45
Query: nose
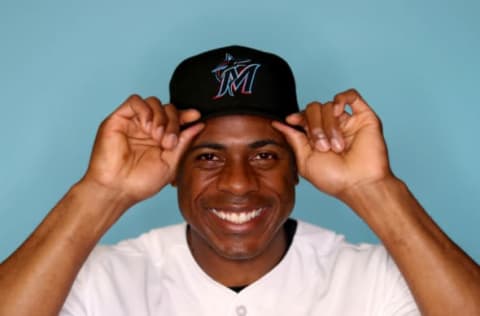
x: 237, y: 178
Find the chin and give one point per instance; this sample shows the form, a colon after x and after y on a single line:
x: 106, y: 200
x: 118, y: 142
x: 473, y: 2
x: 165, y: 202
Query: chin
x: 237, y: 253
x: 239, y: 248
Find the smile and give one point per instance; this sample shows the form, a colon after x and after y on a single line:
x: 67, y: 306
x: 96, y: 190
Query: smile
x: 237, y: 217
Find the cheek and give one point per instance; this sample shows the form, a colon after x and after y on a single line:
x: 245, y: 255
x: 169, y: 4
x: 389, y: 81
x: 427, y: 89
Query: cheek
x: 288, y: 195
x: 191, y: 184
x: 282, y: 185
x: 184, y: 189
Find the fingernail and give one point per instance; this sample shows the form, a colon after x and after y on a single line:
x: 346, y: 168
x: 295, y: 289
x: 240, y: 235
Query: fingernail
x: 337, y: 145
x: 158, y: 133
x: 337, y: 109
x: 317, y: 132
x: 170, y: 140
x: 337, y: 141
x: 322, y: 144
x: 148, y: 126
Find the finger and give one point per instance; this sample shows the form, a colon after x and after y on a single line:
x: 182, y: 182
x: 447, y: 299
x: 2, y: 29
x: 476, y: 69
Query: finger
x: 172, y: 127
x: 343, y: 119
x: 297, y: 119
x: 298, y: 140
x: 315, y: 129
x: 188, y: 116
x: 159, y: 118
x: 331, y: 128
x: 184, y: 140
x: 135, y: 108
x: 352, y: 98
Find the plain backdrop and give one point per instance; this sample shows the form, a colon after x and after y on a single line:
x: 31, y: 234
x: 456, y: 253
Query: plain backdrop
x: 65, y: 65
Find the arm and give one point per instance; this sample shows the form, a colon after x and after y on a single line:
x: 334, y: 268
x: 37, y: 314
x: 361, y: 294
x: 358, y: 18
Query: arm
x: 345, y: 156
x: 134, y: 157
x: 442, y: 278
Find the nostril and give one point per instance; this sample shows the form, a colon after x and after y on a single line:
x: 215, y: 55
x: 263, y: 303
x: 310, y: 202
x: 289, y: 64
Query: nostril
x: 237, y: 180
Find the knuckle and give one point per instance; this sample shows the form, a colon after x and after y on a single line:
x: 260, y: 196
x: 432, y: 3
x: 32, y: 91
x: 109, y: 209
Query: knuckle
x: 353, y: 94
x: 172, y: 114
x: 134, y: 98
x: 353, y: 91
x: 153, y: 101
x: 339, y: 96
x: 312, y: 108
x: 313, y: 105
x: 349, y: 95
x: 161, y: 119
x: 172, y: 125
x: 104, y: 123
x: 173, y: 119
x: 328, y: 105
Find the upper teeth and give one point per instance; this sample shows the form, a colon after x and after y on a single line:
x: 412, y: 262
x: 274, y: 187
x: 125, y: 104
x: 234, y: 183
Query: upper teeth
x: 237, y: 217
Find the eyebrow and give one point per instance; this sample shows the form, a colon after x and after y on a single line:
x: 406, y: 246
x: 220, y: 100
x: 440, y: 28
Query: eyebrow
x: 254, y: 145
x: 215, y: 146
x: 265, y: 142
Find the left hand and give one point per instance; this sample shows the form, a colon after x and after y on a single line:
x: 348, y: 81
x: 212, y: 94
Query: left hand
x: 339, y: 151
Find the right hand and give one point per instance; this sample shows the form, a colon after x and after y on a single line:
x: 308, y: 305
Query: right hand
x: 339, y: 152
x: 138, y: 147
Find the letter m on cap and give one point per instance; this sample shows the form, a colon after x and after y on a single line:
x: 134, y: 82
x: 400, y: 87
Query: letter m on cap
x: 237, y: 78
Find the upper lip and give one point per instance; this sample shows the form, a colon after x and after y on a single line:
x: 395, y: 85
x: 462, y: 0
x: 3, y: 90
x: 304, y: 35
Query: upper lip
x: 237, y: 208
x: 235, y: 204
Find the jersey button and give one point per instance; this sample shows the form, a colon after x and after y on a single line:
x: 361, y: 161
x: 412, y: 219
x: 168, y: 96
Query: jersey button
x: 241, y: 310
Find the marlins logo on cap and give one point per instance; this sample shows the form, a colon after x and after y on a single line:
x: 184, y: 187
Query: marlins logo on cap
x: 235, y: 75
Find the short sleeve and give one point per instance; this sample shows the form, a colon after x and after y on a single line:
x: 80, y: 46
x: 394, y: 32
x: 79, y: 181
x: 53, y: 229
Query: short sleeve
x: 75, y: 304
x: 400, y: 301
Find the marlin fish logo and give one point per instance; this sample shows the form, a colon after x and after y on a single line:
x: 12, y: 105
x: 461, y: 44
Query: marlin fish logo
x: 235, y: 75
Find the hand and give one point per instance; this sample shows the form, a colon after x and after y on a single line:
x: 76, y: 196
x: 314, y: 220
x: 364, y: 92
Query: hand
x: 138, y: 147
x: 339, y: 151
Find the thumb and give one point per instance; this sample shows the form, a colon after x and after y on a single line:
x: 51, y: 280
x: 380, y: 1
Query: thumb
x: 297, y: 139
x: 184, y: 139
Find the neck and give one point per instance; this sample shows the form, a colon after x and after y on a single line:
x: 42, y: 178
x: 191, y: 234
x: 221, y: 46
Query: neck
x: 234, y: 272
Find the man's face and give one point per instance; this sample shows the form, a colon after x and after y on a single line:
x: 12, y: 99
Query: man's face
x: 236, y: 186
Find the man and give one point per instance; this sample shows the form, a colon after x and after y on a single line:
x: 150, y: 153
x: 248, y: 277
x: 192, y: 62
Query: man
x: 233, y: 142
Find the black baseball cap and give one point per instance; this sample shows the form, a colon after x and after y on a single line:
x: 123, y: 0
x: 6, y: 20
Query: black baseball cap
x: 235, y: 80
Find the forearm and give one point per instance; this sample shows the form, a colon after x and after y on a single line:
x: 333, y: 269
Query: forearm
x: 36, y: 279
x: 443, y: 279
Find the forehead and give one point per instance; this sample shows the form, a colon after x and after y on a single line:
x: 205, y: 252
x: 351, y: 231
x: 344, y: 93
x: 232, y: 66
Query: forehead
x: 238, y: 129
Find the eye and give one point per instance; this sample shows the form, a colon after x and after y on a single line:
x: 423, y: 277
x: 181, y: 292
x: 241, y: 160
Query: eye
x: 208, y: 160
x: 265, y: 156
x: 207, y: 157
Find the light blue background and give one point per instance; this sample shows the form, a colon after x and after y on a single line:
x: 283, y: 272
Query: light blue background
x: 65, y: 65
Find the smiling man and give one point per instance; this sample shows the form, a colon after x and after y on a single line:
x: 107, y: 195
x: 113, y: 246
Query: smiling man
x: 234, y: 143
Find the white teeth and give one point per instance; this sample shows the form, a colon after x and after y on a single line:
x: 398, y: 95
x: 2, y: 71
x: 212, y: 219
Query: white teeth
x: 237, y: 217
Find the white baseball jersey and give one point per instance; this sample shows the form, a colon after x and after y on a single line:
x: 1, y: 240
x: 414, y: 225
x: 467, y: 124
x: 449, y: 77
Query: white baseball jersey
x: 321, y: 274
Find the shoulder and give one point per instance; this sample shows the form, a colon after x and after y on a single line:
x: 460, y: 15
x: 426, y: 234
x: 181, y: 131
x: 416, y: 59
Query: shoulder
x: 364, y: 273
x: 118, y: 276
x: 324, y: 250
x: 147, y: 249
x: 330, y: 246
